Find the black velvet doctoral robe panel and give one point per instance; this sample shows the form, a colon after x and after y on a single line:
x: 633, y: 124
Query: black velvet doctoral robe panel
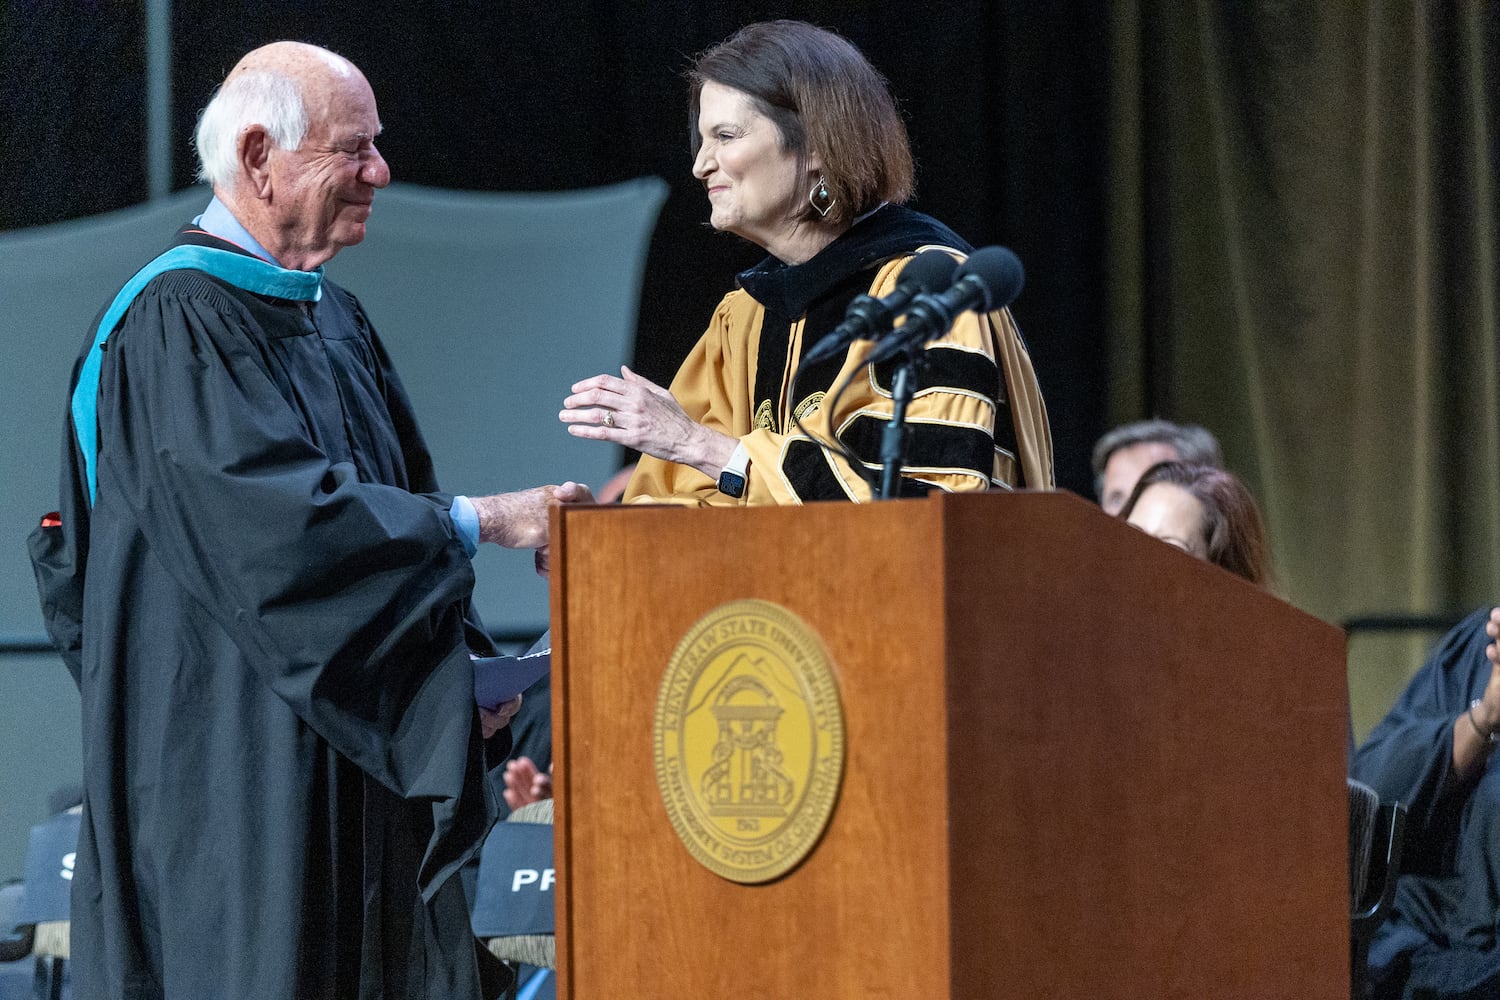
x: 266, y: 612
x: 1441, y: 940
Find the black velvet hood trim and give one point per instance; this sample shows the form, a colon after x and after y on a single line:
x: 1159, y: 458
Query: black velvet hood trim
x: 788, y: 290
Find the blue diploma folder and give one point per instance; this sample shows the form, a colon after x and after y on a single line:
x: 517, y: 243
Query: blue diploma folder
x: 498, y: 679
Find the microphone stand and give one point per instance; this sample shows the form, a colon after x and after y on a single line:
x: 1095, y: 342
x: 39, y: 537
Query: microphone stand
x: 896, y: 437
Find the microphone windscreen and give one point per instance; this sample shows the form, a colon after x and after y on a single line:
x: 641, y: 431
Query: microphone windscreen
x: 999, y: 271
x: 930, y: 271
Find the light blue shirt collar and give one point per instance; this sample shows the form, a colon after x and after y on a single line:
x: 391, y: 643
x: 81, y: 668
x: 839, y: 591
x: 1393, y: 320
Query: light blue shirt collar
x: 218, y: 221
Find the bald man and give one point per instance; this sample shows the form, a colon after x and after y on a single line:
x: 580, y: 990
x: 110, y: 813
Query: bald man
x: 265, y: 598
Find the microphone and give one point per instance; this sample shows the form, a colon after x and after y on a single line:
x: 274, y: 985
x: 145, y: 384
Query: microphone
x: 990, y: 279
x: 868, y: 317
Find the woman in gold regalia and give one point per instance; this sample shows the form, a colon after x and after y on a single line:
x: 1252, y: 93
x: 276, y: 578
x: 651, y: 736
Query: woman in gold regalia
x: 801, y: 151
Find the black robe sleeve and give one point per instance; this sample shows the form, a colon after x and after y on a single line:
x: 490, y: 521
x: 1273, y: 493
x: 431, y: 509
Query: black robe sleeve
x: 1408, y: 757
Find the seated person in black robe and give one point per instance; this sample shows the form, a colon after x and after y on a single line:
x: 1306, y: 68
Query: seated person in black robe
x: 1432, y: 753
x: 266, y: 600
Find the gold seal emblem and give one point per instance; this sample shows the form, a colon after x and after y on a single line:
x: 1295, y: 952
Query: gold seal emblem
x: 765, y: 418
x: 808, y: 405
x: 749, y: 740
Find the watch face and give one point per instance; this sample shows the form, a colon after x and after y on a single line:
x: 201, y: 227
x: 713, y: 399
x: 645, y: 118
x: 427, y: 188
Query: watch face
x: 731, y: 484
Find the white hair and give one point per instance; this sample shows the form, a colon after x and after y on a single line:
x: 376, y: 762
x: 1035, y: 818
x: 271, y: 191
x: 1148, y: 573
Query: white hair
x: 253, y: 97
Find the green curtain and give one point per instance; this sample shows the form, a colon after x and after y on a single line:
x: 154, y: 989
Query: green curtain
x: 1302, y: 257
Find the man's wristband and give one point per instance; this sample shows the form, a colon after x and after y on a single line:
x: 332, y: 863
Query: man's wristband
x: 1490, y: 738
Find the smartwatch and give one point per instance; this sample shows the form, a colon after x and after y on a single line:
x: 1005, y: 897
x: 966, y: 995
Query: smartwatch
x: 732, y: 479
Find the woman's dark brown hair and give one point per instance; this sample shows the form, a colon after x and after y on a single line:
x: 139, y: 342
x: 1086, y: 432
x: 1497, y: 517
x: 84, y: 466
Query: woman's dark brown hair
x: 823, y: 96
x: 1234, y: 535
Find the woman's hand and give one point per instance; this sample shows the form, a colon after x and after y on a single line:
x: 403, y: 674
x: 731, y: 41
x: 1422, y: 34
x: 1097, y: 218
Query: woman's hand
x: 637, y: 413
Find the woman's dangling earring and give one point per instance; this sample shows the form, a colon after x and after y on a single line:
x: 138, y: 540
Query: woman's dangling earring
x: 820, y: 198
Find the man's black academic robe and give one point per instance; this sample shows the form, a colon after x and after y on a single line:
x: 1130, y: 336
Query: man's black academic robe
x: 266, y: 611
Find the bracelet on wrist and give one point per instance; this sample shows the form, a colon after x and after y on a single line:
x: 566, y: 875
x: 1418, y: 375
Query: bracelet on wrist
x: 1490, y: 737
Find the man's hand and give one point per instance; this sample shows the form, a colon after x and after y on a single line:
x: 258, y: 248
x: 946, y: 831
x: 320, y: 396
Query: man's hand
x: 492, y: 720
x: 519, y: 520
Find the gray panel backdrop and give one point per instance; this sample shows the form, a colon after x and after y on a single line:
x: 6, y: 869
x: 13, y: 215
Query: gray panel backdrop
x: 491, y: 306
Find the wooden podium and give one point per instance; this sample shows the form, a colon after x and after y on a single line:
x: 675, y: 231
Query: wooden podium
x: 1078, y: 763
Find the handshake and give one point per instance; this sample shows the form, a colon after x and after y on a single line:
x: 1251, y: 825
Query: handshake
x: 519, y: 520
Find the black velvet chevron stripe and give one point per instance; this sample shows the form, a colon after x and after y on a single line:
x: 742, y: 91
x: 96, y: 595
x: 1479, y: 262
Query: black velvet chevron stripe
x: 948, y: 368
x: 933, y: 446
x: 807, y: 469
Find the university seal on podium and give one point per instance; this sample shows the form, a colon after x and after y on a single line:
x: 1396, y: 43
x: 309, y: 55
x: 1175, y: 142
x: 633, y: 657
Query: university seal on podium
x: 749, y: 740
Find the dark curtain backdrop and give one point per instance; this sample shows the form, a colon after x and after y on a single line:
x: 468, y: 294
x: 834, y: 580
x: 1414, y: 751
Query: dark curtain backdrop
x: 1274, y: 218
x: 1303, y: 258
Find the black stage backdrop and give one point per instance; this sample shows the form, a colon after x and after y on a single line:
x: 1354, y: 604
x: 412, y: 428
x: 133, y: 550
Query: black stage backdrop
x: 1005, y: 103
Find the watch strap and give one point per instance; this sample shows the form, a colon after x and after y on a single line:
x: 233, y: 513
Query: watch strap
x: 732, y: 479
